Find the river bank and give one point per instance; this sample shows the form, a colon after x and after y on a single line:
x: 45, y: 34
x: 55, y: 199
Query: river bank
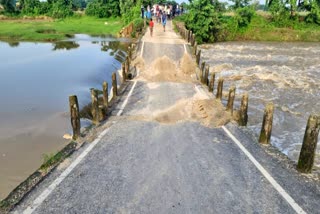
x: 43, y: 75
x: 261, y: 28
x: 48, y: 29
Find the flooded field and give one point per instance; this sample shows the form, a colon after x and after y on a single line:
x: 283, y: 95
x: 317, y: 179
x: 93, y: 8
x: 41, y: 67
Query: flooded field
x: 35, y: 82
x: 287, y: 74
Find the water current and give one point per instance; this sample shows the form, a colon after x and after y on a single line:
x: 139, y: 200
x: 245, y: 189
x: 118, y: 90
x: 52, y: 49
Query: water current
x: 286, y: 74
x: 35, y: 82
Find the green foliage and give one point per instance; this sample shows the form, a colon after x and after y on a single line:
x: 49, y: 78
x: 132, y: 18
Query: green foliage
x: 240, y: 3
x: 59, y: 29
x: 244, y: 15
x: 314, y: 15
x: 219, y: 6
x: 79, y: 4
x: 280, y: 14
x: 30, y: 7
x: 203, y: 21
x: 103, y: 8
x: 130, y: 10
x: 61, y: 9
x: 8, y: 5
x: 138, y: 27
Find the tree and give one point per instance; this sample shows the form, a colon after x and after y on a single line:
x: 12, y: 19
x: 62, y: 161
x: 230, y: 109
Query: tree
x: 103, y: 8
x: 219, y: 6
x: 29, y: 6
x: 130, y: 10
x: 203, y: 20
x: 240, y: 3
x: 8, y: 5
x: 61, y: 8
x: 278, y: 11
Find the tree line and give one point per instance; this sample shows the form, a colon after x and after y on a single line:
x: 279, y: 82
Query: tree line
x: 129, y: 9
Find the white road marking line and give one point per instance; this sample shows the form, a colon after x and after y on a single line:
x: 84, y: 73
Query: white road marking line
x: 264, y: 172
x: 126, y: 100
x: 142, y: 49
x: 185, y: 48
x: 38, y: 201
x: 200, y: 91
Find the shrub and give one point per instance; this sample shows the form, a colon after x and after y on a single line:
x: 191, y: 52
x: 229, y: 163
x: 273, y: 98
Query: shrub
x: 244, y: 16
x: 314, y: 15
x: 203, y: 21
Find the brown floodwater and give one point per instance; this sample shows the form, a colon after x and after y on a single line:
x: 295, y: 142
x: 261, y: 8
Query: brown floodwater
x: 35, y: 82
x: 287, y: 74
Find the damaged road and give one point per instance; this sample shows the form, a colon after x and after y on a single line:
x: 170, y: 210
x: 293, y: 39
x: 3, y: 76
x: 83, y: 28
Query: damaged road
x: 168, y: 151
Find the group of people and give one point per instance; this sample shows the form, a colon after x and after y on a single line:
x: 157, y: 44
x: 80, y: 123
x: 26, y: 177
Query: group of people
x: 161, y: 14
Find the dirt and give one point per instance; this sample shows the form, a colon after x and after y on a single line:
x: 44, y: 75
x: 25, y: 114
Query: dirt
x: 163, y: 69
x: 199, y: 108
x: 27, y: 18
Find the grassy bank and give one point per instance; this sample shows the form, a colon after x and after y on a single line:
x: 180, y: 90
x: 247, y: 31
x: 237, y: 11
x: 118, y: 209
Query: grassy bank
x: 262, y: 28
x: 53, y: 30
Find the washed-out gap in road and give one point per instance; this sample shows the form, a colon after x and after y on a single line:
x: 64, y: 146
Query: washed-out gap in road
x: 199, y: 108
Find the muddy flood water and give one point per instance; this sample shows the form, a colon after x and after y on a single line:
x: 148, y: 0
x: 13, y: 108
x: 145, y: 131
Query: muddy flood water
x: 287, y: 74
x: 35, y: 82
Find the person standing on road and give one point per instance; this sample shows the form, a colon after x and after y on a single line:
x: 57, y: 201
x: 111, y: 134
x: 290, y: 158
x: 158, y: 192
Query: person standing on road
x: 151, y: 24
x: 164, y: 21
x: 142, y: 11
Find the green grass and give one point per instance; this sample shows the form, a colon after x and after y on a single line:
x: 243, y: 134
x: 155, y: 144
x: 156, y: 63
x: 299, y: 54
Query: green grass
x: 262, y: 29
x: 46, y: 30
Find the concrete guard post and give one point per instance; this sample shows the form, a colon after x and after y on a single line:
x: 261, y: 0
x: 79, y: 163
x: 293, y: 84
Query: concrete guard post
x: 195, y: 47
x: 219, y: 88
x: 94, y: 106
x: 266, y: 128
x: 124, y: 75
x: 193, y: 39
x: 206, y: 76
x: 127, y: 63
x: 130, y: 52
x: 102, y: 113
x: 309, y: 145
x: 203, y: 65
x: 114, y: 85
x: 232, y: 93
x: 75, y: 116
x: 198, y: 57
x: 211, y: 83
x: 243, y: 113
x: 105, y: 94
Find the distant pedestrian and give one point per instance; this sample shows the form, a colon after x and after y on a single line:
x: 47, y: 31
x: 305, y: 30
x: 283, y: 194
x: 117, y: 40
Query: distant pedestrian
x: 151, y: 24
x: 142, y: 11
x: 164, y: 21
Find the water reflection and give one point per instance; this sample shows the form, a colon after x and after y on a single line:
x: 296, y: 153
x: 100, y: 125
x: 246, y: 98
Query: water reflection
x: 65, y: 45
x: 13, y: 44
x: 42, y: 78
x: 115, y: 48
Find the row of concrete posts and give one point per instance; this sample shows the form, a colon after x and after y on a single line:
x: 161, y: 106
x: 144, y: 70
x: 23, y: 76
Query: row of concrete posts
x: 308, y: 150
x: 99, y: 101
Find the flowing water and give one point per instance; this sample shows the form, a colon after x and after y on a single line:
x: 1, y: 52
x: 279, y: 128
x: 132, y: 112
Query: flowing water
x: 35, y: 82
x: 286, y: 74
